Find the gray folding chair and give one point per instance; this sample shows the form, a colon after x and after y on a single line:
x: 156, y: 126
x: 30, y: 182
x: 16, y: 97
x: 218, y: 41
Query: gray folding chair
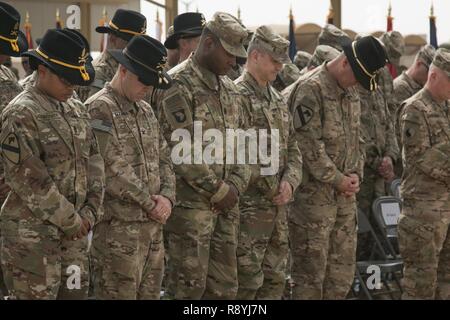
x: 386, y: 212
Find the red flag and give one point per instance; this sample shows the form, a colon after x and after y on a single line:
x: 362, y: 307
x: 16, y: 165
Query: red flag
x: 59, y: 24
x: 27, y: 27
x: 104, y: 36
x: 390, y: 27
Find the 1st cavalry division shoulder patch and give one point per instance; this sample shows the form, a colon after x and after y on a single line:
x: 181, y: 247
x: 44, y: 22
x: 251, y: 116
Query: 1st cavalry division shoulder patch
x: 11, y: 148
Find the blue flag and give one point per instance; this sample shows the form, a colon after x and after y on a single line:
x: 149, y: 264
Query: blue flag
x: 433, y: 35
x: 292, y: 44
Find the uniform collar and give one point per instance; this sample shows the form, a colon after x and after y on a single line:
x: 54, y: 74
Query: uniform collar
x: 261, y: 92
x: 330, y: 81
x: 207, y: 77
x: 410, y: 81
x: 123, y: 103
x: 53, y: 104
x: 427, y: 95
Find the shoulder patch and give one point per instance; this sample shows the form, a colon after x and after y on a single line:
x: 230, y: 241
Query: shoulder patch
x: 11, y: 148
x: 177, y: 111
x: 302, y: 116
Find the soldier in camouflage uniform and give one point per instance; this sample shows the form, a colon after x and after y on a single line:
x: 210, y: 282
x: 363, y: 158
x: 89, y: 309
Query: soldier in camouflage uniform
x: 263, y: 237
x: 381, y: 153
x: 122, y: 28
x: 127, y: 248
x: 408, y: 84
x: 423, y: 229
x: 56, y: 174
x: 9, y: 88
x: 322, y: 220
x: 203, y: 228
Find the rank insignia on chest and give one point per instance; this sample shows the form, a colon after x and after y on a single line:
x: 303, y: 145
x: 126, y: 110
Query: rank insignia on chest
x: 302, y: 116
x: 11, y: 148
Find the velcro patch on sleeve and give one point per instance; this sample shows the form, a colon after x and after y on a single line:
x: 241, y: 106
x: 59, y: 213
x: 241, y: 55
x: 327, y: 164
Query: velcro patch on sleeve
x: 11, y: 148
x: 177, y: 111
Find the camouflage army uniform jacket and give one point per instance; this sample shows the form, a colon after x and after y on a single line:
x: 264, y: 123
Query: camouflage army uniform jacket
x: 105, y: 68
x: 199, y: 95
x: 425, y: 133
x: 9, y: 87
x: 377, y: 128
x: 404, y: 88
x: 137, y: 157
x: 265, y: 108
x: 52, y: 162
x: 327, y: 120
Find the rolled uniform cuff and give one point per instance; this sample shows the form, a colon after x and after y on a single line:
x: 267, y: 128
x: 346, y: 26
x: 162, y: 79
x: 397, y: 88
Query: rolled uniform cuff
x: 74, y: 227
x: 88, y: 213
x: 338, y: 179
x: 292, y: 181
x: 169, y: 196
x: 238, y: 182
x: 221, y: 193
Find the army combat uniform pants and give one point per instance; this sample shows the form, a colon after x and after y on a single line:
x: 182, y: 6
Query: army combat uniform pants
x: 202, y: 254
x: 39, y: 264
x: 322, y: 236
x: 262, y: 252
x: 128, y: 260
x: 424, y: 241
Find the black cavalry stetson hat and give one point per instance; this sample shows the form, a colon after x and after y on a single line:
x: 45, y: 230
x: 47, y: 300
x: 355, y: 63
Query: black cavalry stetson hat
x: 145, y: 57
x: 366, y: 57
x: 66, y: 54
x: 12, y: 41
x: 185, y: 25
x: 125, y: 24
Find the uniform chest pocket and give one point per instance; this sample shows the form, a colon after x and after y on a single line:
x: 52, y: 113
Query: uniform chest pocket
x: 56, y: 134
x: 82, y: 135
x: 128, y: 140
x: 208, y: 112
x: 149, y: 131
x: 333, y: 120
x: 440, y: 134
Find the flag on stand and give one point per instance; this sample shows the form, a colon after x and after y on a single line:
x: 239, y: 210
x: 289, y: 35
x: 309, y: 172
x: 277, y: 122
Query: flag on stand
x: 27, y: 27
x: 159, y: 25
x: 59, y: 24
x: 390, y: 19
x: 292, y: 42
x: 330, y: 17
x: 433, y: 31
x: 390, y: 27
x: 103, y: 36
